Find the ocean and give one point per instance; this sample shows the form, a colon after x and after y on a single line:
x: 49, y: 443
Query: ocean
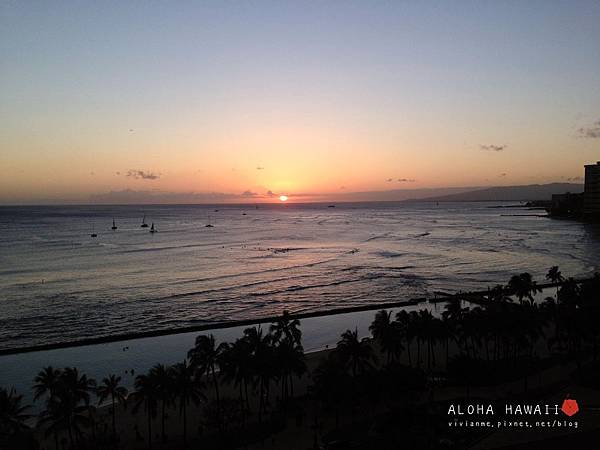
x: 59, y: 284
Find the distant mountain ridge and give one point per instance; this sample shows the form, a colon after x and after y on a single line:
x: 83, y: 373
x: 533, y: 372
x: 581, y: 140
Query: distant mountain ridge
x: 531, y: 192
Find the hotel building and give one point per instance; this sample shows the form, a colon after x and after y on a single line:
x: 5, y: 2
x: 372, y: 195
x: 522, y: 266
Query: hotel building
x: 591, y: 206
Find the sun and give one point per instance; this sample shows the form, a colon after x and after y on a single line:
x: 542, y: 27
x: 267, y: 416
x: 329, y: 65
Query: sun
x: 283, y: 198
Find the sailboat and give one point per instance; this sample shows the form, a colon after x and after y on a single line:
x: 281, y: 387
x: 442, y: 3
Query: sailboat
x: 144, y: 224
x: 114, y: 227
x: 209, y: 225
x: 152, y: 229
x: 93, y: 233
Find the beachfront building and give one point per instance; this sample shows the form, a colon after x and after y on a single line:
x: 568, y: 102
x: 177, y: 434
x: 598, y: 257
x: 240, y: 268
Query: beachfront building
x: 567, y: 205
x: 591, y: 206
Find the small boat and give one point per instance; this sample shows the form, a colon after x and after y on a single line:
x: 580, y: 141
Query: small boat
x: 152, y: 229
x: 93, y: 232
x: 209, y: 225
x: 331, y: 206
x: 244, y: 214
x: 144, y: 224
x: 114, y: 227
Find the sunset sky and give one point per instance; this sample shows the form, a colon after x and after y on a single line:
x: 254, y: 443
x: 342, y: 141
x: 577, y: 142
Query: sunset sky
x: 228, y: 101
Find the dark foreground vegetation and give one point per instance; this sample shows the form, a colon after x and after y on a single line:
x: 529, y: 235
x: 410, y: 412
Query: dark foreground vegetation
x: 387, y: 391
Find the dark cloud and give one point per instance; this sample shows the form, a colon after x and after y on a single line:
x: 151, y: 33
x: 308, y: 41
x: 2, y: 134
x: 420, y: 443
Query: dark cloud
x: 592, y: 132
x: 389, y: 180
x: 272, y: 194
x: 260, y: 168
x: 493, y: 148
x: 141, y: 175
x: 502, y: 175
x: 406, y: 180
x: 575, y: 179
x: 249, y: 194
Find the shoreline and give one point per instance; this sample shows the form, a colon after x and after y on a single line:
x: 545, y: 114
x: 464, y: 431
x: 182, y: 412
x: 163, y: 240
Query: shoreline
x: 439, y: 297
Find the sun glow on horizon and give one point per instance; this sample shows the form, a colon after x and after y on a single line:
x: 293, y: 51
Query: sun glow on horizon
x: 283, y: 198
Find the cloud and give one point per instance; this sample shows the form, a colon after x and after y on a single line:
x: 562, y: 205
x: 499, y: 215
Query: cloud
x: 249, y: 194
x: 502, y: 175
x: 592, y: 132
x: 493, y: 148
x: 271, y: 194
x: 129, y: 196
x: 401, y: 180
x: 575, y: 179
x: 260, y: 168
x: 141, y: 175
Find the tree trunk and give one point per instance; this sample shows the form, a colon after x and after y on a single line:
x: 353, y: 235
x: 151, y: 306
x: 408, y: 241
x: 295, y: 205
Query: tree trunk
x: 114, y: 423
x: 149, y: 428
x: 162, y: 431
x: 184, y: 406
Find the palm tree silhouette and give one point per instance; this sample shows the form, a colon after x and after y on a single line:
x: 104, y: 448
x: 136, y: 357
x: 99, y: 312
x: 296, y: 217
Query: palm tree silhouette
x: 554, y: 276
x: 66, y: 390
x: 46, y: 382
x: 146, y: 395
x: 405, y: 330
x: 162, y: 380
x: 205, y: 357
x: 290, y: 361
x: 263, y: 363
x: 12, y: 413
x: 111, y: 388
x: 523, y: 286
x: 287, y: 327
x: 356, y: 353
x: 385, y: 333
x: 236, y: 367
x: 187, y: 387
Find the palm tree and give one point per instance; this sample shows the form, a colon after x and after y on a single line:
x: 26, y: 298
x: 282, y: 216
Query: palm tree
x: 64, y: 414
x: 403, y: 323
x: 523, y: 286
x: 205, y: 357
x: 554, y: 276
x: 356, y: 353
x: 188, y: 388
x: 287, y: 327
x: 146, y: 395
x: 78, y: 389
x: 236, y: 367
x: 112, y: 388
x: 263, y: 363
x: 161, y: 378
x: 46, y: 382
x: 12, y: 413
x: 387, y: 334
x: 290, y: 361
